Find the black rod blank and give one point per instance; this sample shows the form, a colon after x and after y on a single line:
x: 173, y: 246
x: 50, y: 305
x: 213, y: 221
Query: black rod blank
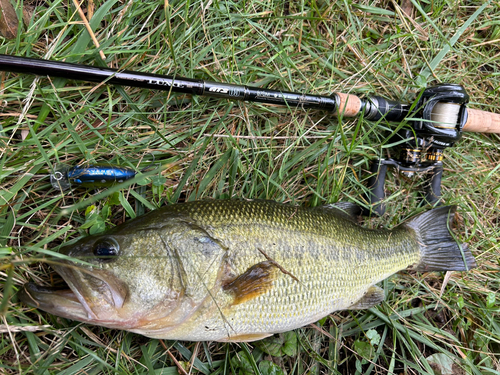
x: 165, y: 83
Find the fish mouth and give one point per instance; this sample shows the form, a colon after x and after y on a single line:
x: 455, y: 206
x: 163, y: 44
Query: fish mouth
x: 89, y: 296
x: 57, y: 301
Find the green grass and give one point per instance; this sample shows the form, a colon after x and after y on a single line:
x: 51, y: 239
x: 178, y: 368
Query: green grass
x: 218, y: 149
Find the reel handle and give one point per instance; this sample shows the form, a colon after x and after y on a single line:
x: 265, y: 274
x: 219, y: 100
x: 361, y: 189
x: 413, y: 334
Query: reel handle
x: 376, y: 185
x: 433, y: 189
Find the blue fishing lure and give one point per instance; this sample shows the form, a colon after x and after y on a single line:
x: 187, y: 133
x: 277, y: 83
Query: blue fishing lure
x: 94, y: 176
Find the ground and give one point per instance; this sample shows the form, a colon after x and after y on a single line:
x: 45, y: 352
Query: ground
x: 218, y: 149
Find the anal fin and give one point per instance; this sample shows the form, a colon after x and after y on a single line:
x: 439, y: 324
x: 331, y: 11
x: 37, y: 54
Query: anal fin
x: 246, y: 337
x: 374, y: 295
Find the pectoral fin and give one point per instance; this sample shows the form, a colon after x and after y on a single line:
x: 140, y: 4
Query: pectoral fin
x: 374, y: 295
x: 253, y: 282
x: 246, y: 337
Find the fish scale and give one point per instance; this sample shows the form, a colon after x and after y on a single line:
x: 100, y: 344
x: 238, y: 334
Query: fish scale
x: 240, y: 270
x: 320, y: 265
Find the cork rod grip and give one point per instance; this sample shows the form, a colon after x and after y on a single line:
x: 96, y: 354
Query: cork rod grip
x: 482, y: 122
x: 348, y: 105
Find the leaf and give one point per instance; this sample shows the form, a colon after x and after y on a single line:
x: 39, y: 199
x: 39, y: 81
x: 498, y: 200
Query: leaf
x: 291, y: 344
x: 90, y: 210
x: 95, y: 219
x: 80, y: 46
x: 241, y: 362
x: 270, y: 368
x: 490, y: 300
x: 271, y: 345
x: 8, y: 20
x: 447, y: 47
x: 106, y: 211
x: 4, y: 251
x: 441, y: 364
x: 142, y: 181
x: 142, y: 200
x: 91, y: 217
x: 98, y: 227
x: 114, y: 199
x: 322, y: 321
x: 373, y: 336
x: 373, y: 10
x: 158, y: 180
x: 279, y: 345
x: 359, y: 367
x: 364, y: 349
x: 28, y: 11
x: 126, y: 206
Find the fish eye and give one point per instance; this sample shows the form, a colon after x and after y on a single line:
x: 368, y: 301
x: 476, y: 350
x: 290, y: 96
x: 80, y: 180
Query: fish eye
x: 106, y: 249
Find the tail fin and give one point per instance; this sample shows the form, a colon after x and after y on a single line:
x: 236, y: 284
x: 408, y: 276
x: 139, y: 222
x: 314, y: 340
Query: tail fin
x: 440, y: 251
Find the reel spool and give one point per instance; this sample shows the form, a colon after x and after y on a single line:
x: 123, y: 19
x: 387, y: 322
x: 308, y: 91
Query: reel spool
x: 445, y: 115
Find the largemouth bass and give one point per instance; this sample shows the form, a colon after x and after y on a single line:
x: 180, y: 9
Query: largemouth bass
x: 239, y: 270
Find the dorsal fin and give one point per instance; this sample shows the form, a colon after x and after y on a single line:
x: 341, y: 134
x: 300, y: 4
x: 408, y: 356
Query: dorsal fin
x: 346, y: 210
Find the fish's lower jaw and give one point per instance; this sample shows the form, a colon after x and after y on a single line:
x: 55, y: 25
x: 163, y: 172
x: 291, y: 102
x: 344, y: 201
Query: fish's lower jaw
x: 101, y: 295
x: 61, y: 302
x: 68, y: 304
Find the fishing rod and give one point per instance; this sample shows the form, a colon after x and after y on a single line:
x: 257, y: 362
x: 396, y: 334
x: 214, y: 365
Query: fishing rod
x: 438, y: 119
x: 347, y: 105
